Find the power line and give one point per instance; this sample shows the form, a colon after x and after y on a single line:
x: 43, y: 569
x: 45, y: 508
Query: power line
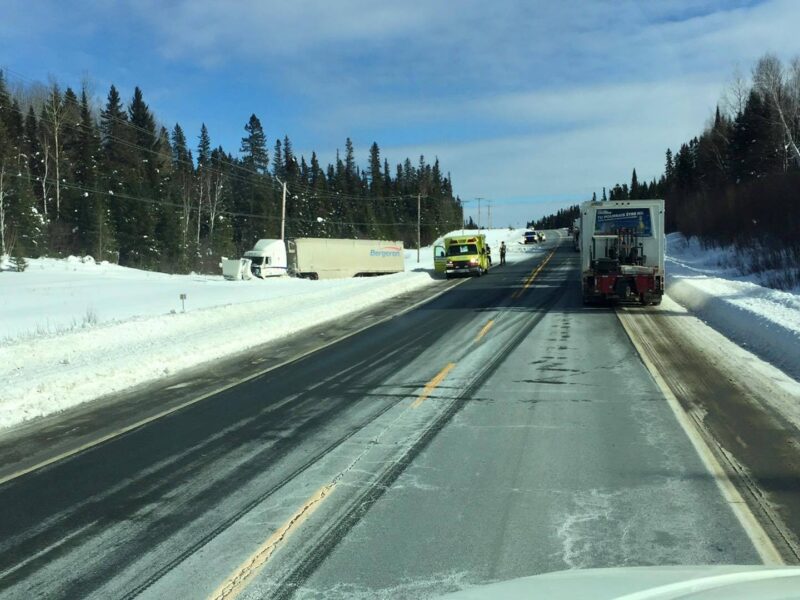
x: 263, y: 178
x: 230, y: 163
x: 121, y: 195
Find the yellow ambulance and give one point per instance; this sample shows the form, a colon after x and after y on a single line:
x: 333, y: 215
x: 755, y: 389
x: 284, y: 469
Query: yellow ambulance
x: 465, y: 255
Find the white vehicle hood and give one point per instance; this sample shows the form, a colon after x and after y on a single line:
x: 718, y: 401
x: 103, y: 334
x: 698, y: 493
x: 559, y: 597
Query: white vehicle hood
x: 648, y: 583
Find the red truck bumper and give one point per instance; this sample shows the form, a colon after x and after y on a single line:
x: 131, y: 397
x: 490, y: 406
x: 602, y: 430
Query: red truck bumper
x: 647, y: 289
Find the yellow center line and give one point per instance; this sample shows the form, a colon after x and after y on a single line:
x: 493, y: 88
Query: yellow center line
x: 532, y: 276
x: 236, y: 583
x: 431, y: 385
x: 485, y: 330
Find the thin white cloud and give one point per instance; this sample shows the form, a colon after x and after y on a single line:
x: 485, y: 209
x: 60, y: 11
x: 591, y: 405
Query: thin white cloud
x: 630, y: 126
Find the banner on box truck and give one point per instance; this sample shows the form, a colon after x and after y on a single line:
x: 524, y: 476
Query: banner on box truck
x: 609, y: 220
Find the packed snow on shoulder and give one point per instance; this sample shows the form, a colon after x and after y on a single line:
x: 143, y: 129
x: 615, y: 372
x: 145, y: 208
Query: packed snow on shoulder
x: 764, y: 320
x: 73, y: 330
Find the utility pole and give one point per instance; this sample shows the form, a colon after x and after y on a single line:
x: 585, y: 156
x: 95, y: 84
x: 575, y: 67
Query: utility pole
x: 419, y: 221
x: 283, y: 212
x: 479, y: 211
x: 489, y: 208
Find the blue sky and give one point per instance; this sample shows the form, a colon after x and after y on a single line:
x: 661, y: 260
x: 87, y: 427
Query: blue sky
x: 531, y: 104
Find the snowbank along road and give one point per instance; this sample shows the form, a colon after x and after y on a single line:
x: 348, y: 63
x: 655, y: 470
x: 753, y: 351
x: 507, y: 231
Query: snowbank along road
x: 499, y: 430
x: 72, y: 330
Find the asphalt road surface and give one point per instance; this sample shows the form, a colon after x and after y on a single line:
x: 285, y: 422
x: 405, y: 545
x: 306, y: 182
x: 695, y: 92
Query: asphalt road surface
x: 498, y: 431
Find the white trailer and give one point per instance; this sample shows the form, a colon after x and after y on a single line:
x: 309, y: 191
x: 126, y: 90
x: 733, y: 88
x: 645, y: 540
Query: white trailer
x: 316, y: 258
x: 622, y: 247
x: 321, y: 258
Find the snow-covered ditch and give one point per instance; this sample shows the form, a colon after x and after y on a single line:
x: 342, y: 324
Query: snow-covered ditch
x: 761, y: 319
x: 72, y: 330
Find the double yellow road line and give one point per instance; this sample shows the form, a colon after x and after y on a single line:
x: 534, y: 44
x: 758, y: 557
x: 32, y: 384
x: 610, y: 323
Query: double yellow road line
x: 247, y: 570
x: 237, y: 581
x: 433, y: 384
x: 517, y: 294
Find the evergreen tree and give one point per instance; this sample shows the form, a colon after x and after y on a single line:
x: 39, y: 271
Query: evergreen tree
x: 388, y: 189
x: 376, y: 187
x: 290, y: 166
x: 21, y: 225
x: 756, y: 145
x: 96, y: 236
x: 118, y: 160
x: 182, y: 190
x: 350, y: 174
x: 129, y: 190
x: 168, y: 226
x: 204, y: 147
x: 634, y: 189
x: 669, y: 167
x: 254, y: 146
x: 277, y: 160
x: 251, y: 194
x: 138, y: 246
x: 203, y: 178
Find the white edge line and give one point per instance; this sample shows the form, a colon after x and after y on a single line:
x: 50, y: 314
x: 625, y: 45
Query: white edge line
x: 758, y: 536
x: 164, y: 413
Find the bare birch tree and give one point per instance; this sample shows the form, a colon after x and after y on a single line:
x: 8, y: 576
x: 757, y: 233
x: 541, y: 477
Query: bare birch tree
x: 215, y: 203
x: 44, y: 159
x: 779, y: 88
x: 185, y: 178
x: 734, y: 98
x: 3, y: 208
x: 203, y: 183
x: 55, y: 118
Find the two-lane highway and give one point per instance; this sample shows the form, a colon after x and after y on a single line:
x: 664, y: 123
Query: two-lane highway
x: 499, y: 430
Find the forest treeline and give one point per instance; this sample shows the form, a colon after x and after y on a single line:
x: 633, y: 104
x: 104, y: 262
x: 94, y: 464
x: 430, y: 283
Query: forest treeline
x: 738, y: 182
x: 563, y: 217
x: 111, y: 182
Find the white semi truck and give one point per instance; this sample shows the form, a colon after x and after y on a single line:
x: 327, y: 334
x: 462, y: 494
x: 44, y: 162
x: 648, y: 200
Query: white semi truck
x: 317, y: 258
x: 622, y: 247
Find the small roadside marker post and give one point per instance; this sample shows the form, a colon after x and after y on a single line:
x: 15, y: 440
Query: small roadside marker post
x: 183, y: 302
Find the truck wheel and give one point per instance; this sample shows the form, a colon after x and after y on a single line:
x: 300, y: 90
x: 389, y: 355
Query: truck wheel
x: 656, y: 302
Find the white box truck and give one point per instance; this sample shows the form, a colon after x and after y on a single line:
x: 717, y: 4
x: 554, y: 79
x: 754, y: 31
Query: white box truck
x: 317, y: 258
x: 622, y: 247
